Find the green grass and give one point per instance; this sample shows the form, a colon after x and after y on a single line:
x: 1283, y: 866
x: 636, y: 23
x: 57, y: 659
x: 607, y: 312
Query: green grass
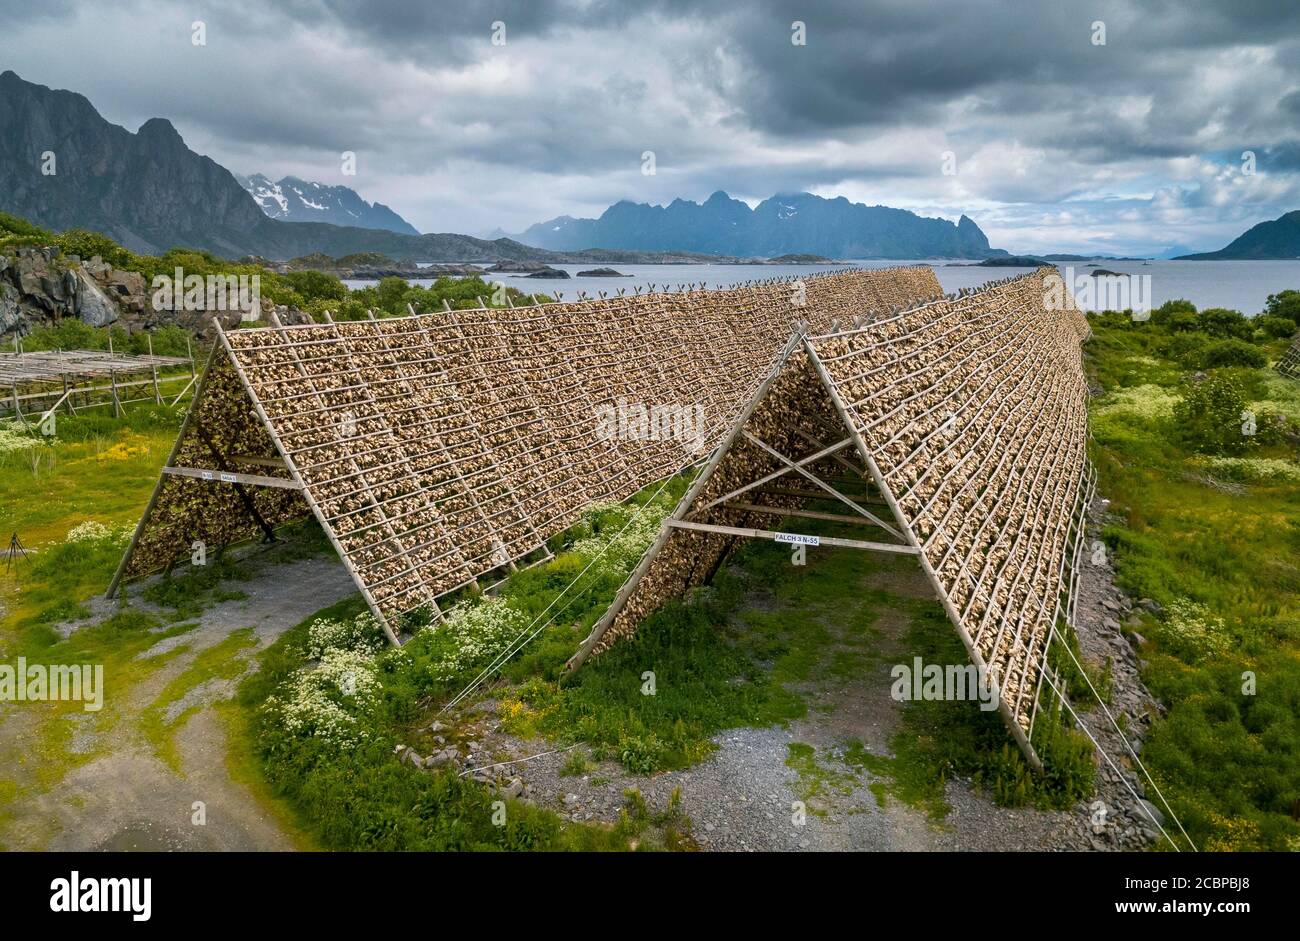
x: 224, y: 660
x: 99, y: 469
x: 1224, y: 561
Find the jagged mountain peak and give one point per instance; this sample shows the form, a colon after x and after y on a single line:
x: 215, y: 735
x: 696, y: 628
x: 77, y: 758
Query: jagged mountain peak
x: 794, y: 222
x: 293, y: 199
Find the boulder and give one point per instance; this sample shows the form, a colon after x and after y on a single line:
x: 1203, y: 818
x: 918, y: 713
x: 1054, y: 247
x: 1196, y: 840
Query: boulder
x: 444, y: 757
x: 1154, y: 811
x: 33, y: 270
x: 97, y: 268
x: 125, y: 283
x: 93, y: 306
x: 11, y: 315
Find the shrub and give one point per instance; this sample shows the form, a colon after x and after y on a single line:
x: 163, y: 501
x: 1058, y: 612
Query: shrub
x: 12, y: 225
x: 1257, y: 469
x: 1209, y: 415
x: 1193, y: 631
x: 1186, y: 348
x: 1232, y: 353
x: 1284, y: 304
x: 361, y: 634
x: 329, y: 702
x: 14, y: 439
x: 1177, y: 306
x: 316, y: 285
x: 1224, y: 323
x: 86, y: 245
x: 1276, y: 328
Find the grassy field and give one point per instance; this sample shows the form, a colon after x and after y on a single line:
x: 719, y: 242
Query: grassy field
x: 1214, y: 540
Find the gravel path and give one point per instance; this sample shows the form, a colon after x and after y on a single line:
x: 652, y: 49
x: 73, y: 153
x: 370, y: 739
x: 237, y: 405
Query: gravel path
x: 125, y: 797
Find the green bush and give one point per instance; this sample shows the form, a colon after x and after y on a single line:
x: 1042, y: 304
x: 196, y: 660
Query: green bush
x: 1277, y: 328
x: 1284, y: 304
x: 1175, y: 315
x: 12, y: 225
x: 1187, y: 348
x: 1208, y: 416
x: 1233, y: 353
x: 86, y: 245
x: 1223, y: 323
x: 316, y: 285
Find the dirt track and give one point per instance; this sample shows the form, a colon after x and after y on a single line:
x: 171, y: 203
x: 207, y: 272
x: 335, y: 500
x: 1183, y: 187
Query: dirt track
x: 126, y: 797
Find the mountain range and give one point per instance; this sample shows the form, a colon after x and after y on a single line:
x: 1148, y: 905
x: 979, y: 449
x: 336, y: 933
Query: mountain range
x: 1279, y: 238
x: 63, y: 166
x: 295, y: 200
x: 783, y: 224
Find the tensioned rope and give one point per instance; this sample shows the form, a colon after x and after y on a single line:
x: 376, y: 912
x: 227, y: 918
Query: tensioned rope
x: 1127, y: 744
x: 1138, y: 800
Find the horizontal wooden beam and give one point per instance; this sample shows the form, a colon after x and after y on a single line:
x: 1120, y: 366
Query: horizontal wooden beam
x: 226, y: 477
x: 864, y: 499
x: 793, y: 538
x: 802, y: 514
x: 249, y: 459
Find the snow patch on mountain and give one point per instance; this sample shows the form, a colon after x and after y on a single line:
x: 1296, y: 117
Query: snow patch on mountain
x: 295, y: 200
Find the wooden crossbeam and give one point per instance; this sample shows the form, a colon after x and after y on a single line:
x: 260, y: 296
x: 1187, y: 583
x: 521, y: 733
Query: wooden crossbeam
x: 798, y: 467
x: 802, y: 514
x: 791, y: 466
x: 895, y: 548
x: 230, y: 477
x: 864, y: 499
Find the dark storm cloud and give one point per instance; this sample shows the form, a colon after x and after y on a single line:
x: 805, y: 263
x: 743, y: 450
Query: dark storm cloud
x: 458, y: 133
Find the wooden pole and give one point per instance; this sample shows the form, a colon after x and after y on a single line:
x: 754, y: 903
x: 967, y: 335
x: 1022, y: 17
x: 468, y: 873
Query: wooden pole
x: 112, y: 378
x: 157, y: 394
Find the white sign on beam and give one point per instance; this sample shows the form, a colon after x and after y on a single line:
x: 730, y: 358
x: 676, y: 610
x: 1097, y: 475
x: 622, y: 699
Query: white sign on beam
x: 799, y: 539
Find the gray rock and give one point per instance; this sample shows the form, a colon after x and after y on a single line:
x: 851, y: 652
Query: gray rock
x: 1154, y: 811
x: 93, y: 306
x: 11, y: 314
x: 514, y: 789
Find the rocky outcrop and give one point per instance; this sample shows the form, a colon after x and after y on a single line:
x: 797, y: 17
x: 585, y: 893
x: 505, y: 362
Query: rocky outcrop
x: 39, y: 285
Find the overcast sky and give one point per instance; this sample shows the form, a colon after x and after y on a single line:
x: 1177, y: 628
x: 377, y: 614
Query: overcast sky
x: 1059, y: 143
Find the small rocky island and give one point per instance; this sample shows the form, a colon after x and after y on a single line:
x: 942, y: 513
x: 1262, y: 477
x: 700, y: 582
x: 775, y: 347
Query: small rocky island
x: 529, y: 269
x: 367, y: 266
x: 800, y: 259
x: 602, y: 273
